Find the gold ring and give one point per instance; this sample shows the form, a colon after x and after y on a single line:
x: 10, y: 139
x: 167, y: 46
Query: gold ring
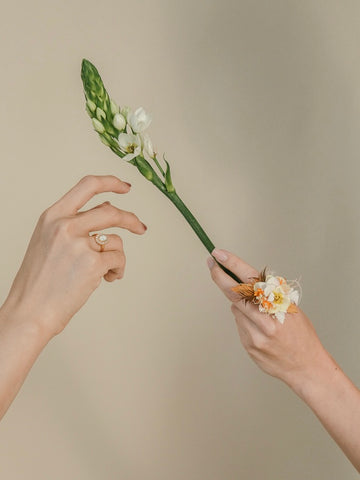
x: 101, y: 239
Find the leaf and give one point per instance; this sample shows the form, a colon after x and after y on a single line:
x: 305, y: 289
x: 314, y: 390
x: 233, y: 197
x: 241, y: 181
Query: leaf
x: 168, y: 182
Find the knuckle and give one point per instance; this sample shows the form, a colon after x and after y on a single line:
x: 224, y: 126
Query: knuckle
x: 47, y: 216
x: 90, y: 181
x: 133, y: 218
x: 251, y: 273
x: 61, y: 227
x: 260, y: 343
x: 270, y: 328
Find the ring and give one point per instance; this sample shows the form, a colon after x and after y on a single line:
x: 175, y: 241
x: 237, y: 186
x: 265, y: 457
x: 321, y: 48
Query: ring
x: 273, y: 294
x: 101, y: 239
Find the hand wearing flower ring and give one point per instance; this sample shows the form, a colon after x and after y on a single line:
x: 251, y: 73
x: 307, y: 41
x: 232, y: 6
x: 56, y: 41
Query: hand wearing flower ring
x: 287, y: 347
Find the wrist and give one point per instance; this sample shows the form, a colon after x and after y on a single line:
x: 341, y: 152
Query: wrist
x: 16, y: 314
x: 315, y: 378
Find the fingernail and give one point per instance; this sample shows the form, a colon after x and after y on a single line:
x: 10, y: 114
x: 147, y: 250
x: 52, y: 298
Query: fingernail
x: 128, y: 184
x: 144, y: 225
x: 106, y: 203
x: 210, y: 261
x: 219, y: 255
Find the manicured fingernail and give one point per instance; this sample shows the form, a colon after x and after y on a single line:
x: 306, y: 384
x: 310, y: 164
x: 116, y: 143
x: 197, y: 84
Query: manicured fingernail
x: 219, y: 255
x: 128, y: 184
x: 211, y: 262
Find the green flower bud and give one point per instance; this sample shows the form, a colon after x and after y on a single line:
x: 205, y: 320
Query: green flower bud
x: 94, y: 88
x: 91, y: 105
x: 104, y: 141
x: 100, y: 114
x: 114, y: 107
x: 99, y: 127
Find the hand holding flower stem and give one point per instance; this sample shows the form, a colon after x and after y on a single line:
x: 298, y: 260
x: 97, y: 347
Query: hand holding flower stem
x: 123, y: 131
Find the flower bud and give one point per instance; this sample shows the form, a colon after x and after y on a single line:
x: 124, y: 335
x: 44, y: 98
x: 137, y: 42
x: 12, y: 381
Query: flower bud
x: 114, y: 107
x: 99, y: 127
x: 119, y: 121
x: 104, y: 141
x: 100, y: 114
x: 91, y: 105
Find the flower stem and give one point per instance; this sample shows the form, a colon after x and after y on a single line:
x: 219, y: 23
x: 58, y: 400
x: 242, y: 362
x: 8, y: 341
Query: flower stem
x: 159, y: 166
x: 180, y: 205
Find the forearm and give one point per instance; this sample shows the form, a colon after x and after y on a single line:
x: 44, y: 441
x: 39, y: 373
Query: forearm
x: 336, y: 402
x: 21, y: 341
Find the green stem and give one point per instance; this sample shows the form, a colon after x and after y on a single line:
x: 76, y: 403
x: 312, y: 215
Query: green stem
x: 159, y: 166
x: 180, y: 205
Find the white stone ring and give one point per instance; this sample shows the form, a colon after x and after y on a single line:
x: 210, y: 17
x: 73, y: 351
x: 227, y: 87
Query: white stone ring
x: 101, y: 239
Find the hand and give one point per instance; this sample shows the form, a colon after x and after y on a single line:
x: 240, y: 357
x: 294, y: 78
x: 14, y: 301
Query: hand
x: 287, y: 351
x: 63, y: 265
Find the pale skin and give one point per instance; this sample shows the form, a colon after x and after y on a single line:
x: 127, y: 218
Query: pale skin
x: 62, y: 267
x: 293, y: 353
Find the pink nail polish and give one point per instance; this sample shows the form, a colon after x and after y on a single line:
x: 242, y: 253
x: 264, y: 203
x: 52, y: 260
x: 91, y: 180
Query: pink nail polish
x: 219, y: 255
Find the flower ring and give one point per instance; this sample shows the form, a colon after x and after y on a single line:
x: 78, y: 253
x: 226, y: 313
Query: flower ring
x: 273, y: 294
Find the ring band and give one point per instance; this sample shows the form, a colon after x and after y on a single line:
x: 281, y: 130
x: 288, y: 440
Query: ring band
x: 101, y: 239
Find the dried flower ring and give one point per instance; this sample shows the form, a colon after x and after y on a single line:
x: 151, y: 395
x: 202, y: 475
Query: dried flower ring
x: 273, y: 294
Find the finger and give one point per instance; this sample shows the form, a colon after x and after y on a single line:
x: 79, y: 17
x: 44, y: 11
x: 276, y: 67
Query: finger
x: 264, y: 322
x: 86, y: 188
x: 223, y: 280
x: 107, y: 216
x: 114, y: 243
x: 235, y: 264
x: 113, y: 264
x: 246, y: 329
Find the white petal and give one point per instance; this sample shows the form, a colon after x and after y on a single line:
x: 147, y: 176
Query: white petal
x: 119, y: 121
x: 294, y: 297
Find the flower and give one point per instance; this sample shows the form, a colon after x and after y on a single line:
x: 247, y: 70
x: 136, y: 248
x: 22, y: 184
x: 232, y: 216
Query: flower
x: 275, y: 296
x: 119, y: 121
x: 139, y: 120
x: 272, y: 293
x: 125, y: 111
x: 130, y: 144
x: 147, y: 145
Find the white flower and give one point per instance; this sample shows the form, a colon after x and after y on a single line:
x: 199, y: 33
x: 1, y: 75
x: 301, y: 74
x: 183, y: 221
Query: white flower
x: 129, y: 144
x: 275, y: 296
x: 119, y: 121
x: 125, y: 111
x: 139, y: 120
x: 147, y: 145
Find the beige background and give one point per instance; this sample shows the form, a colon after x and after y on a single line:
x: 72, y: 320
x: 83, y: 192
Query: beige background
x: 256, y: 105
